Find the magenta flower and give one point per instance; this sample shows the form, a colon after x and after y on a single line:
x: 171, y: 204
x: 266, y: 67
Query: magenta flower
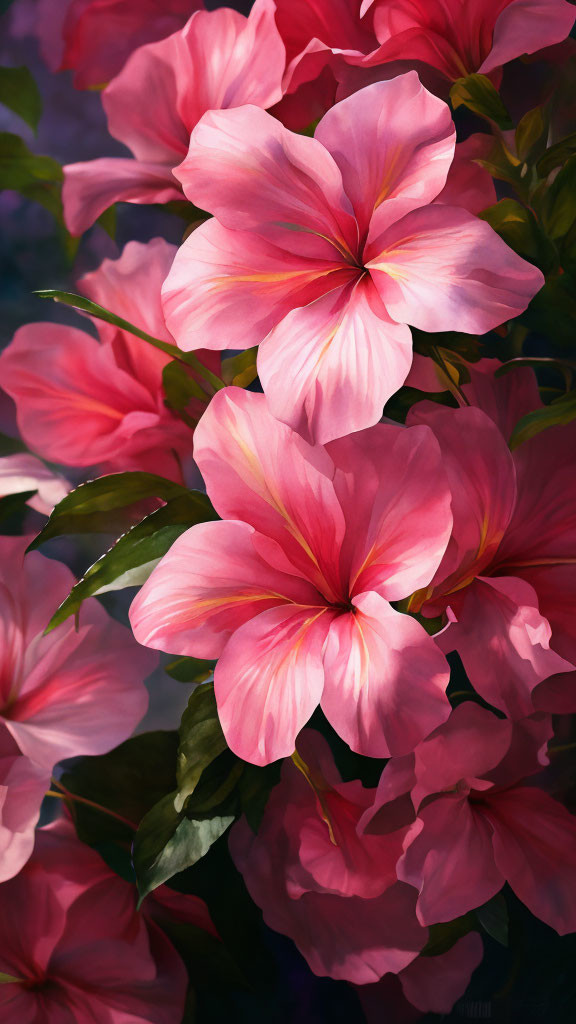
x: 324, y: 249
x: 68, y: 693
x: 84, y: 402
x: 292, y: 590
x: 73, y: 947
x: 219, y: 59
x: 335, y: 893
x: 507, y: 579
x: 478, y: 822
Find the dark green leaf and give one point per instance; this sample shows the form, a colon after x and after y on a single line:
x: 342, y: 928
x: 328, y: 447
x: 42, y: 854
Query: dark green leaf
x: 442, y: 937
x: 240, y: 370
x: 19, y: 92
x: 129, y: 780
x: 180, y: 387
x: 107, y: 221
x: 8, y: 979
x: 531, y: 134
x: 553, y: 310
x: 167, y: 843
x: 562, y: 410
x: 520, y: 230
x: 13, y: 504
x: 254, y: 787
x: 556, y: 155
x: 132, y: 558
x: 559, y: 205
x: 493, y: 916
x: 11, y: 445
x: 190, y: 670
x: 201, y: 741
x: 93, y: 309
x: 479, y: 94
x: 20, y: 168
x: 90, y: 507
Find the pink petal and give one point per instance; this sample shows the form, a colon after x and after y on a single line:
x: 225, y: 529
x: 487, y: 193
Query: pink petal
x: 269, y: 680
x: 394, y: 143
x: 258, y: 470
x: 434, y: 983
x: 92, y: 187
x: 252, y: 173
x: 211, y: 581
x: 471, y: 743
x: 535, y: 849
x: 228, y: 289
x: 450, y: 860
x: 395, y: 496
x: 504, y: 643
x: 329, y: 367
x: 468, y: 184
x: 526, y: 26
x: 23, y: 472
x: 75, y: 405
x: 482, y: 480
x: 372, y: 657
x: 441, y: 269
x: 63, y: 708
x: 505, y: 399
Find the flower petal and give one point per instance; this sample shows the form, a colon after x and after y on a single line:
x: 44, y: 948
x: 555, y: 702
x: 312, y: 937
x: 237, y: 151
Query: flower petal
x: 372, y: 659
x: 329, y: 367
x: 393, y: 142
x: 269, y: 680
x: 211, y: 581
x: 93, y: 186
x: 526, y: 26
x: 441, y: 269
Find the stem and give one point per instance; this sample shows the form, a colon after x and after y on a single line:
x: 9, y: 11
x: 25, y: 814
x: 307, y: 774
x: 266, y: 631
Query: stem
x: 561, y: 748
x: 67, y: 795
x: 451, y: 384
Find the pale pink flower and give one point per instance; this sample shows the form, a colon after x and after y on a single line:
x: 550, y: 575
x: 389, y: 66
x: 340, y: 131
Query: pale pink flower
x: 333, y: 892
x: 219, y: 59
x: 292, y: 590
x: 507, y: 580
x: 68, y: 693
x: 83, y: 401
x: 77, y: 949
x: 335, y: 47
x: 22, y: 472
x: 479, y: 822
x: 324, y: 249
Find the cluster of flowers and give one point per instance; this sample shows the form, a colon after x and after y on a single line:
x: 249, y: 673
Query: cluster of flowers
x: 351, y: 556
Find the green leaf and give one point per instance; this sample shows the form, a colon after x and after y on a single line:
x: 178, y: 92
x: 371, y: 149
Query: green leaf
x: 20, y: 168
x: 11, y: 445
x: 559, y: 205
x: 531, y: 134
x: 441, y: 937
x: 107, y: 221
x: 13, y: 504
x: 493, y: 916
x: 190, y: 670
x: 93, y: 309
x: 129, y: 781
x: 553, y: 311
x: 132, y: 558
x: 91, y: 507
x: 520, y: 230
x: 19, y: 92
x: 167, y: 843
x: 478, y: 94
x: 201, y: 741
x: 556, y: 155
x: 562, y: 410
x: 179, y: 387
x: 9, y: 979
x: 240, y: 370
x: 501, y: 163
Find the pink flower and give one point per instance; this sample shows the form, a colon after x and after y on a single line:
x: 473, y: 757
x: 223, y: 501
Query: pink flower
x: 76, y: 947
x: 219, y: 59
x: 84, y: 402
x: 507, y: 578
x: 324, y: 249
x: 94, y: 38
x: 68, y: 693
x: 22, y: 472
x: 333, y: 892
x: 433, y: 984
x: 479, y: 824
x: 335, y: 47
x: 292, y: 590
